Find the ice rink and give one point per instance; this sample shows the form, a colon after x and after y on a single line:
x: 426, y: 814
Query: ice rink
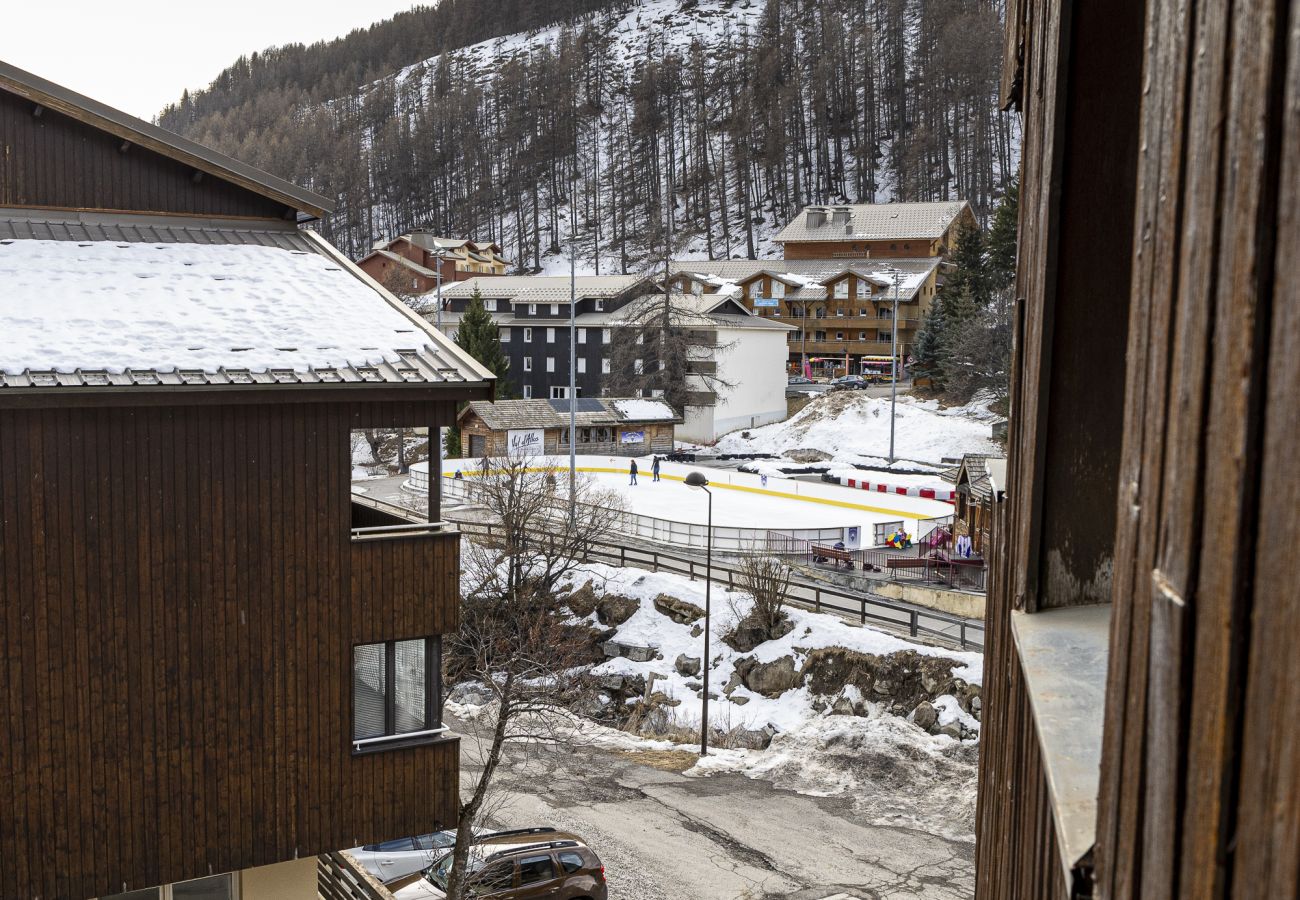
x: 741, y: 500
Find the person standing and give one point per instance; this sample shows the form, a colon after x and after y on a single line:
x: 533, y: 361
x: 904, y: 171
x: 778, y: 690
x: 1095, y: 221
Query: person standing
x: 654, y: 469
x: 632, y: 472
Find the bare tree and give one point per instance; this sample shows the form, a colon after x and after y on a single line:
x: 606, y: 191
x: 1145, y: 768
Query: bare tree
x: 515, y: 638
x: 767, y: 580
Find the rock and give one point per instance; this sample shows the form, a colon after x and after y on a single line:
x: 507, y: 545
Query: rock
x: 697, y: 630
x: 975, y: 706
x: 843, y: 706
x: 583, y: 601
x: 630, y: 651
x: 470, y: 694
x: 925, y: 715
x: 688, y: 665
x: 740, y: 701
x: 662, y: 699
x: 733, y: 682
x: 748, y: 634
x: 680, y: 611
x: 952, y: 729
x: 819, y: 704
x: 751, y: 739
x: 808, y: 455
x: 896, y: 679
x: 630, y: 685
x: 615, y: 609
x: 772, y: 679
x: 694, y: 685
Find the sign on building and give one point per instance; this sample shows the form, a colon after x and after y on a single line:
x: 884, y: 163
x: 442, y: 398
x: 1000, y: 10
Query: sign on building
x: 632, y: 437
x: 525, y: 442
x: 766, y: 301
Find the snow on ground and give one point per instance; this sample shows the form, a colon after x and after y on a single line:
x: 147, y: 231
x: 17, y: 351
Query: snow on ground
x: 68, y: 305
x: 742, y: 500
x: 853, y: 428
x: 649, y: 628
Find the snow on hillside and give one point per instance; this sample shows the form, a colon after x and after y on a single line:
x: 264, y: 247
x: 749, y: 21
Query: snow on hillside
x: 853, y: 428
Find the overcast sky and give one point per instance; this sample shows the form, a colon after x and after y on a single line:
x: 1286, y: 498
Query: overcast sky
x: 138, y: 55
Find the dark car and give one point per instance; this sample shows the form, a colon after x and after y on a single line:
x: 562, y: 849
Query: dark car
x: 799, y: 379
x: 520, y: 865
x: 849, y: 383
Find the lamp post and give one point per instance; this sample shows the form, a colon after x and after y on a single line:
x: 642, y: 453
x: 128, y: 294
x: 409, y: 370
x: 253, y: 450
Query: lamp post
x: 573, y: 352
x: 697, y: 480
x: 893, y: 364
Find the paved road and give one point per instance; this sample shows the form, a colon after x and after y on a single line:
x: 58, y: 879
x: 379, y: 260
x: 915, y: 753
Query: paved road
x: 663, y: 836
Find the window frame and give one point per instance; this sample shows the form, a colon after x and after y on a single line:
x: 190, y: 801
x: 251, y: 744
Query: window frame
x: 392, y: 739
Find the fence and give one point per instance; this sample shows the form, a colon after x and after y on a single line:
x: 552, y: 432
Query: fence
x: 920, y: 563
x: 917, y: 622
x: 666, y: 531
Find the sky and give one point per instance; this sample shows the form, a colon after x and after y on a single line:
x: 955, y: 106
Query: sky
x: 138, y: 55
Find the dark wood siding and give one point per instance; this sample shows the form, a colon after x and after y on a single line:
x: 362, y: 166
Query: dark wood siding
x: 179, y: 595
x: 55, y: 161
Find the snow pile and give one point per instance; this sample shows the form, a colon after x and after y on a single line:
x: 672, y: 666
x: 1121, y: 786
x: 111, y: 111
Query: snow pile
x: 853, y: 429
x: 95, y: 305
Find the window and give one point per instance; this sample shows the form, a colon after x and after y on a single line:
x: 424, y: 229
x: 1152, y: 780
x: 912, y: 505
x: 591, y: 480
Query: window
x: 532, y: 309
x: 533, y: 869
x: 656, y: 392
x: 504, y: 334
x: 778, y: 288
x: 528, y: 363
x: 528, y: 392
x: 394, y: 690
x: 571, y: 862
x: 490, y: 304
x: 496, y: 876
x: 839, y: 311
x: 415, y: 284
x: 216, y: 887
x: 862, y: 335
x: 528, y: 335
x: 604, y: 365
x: 864, y: 289
x: 698, y: 289
x: 550, y: 363
x: 582, y: 335
x: 842, y: 289
x: 637, y: 367
x: 640, y: 338
x: 555, y: 309
x: 839, y: 335
x: 560, y: 393
x: 604, y: 335
x: 550, y: 335
x: 582, y: 366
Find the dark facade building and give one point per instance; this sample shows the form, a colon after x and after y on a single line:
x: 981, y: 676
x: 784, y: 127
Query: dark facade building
x: 1141, y: 692
x: 212, y: 662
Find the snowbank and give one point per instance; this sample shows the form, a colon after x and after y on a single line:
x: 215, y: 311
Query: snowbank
x: 853, y: 428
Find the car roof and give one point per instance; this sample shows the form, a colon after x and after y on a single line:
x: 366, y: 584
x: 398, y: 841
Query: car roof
x: 527, y: 839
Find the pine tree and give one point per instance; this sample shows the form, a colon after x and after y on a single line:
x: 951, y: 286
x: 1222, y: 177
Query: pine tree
x: 930, y: 350
x: 1001, y: 243
x: 478, y: 336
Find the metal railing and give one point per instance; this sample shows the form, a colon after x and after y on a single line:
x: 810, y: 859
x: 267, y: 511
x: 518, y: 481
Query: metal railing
x: 920, y: 562
x: 915, y: 621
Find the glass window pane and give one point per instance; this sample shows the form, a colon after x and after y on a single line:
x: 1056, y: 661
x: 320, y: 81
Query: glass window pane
x: 498, y: 875
x: 571, y: 862
x: 146, y: 894
x: 409, y: 689
x: 533, y: 869
x: 218, y: 887
x: 368, y: 688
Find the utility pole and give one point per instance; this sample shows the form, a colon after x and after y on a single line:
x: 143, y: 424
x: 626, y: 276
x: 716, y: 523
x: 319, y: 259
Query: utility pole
x: 573, y: 349
x: 893, y: 365
x: 437, y: 473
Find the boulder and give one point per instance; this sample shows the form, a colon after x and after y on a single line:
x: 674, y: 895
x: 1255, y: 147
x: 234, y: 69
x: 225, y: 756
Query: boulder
x: 583, y: 601
x: 925, y: 715
x: 615, y: 609
x: 740, y: 701
x: 952, y: 729
x: 470, y: 694
x: 842, y: 706
x: 688, y: 665
x: 772, y: 679
x: 733, y: 682
x: 748, y: 634
x: 680, y: 611
x: 633, y: 652
x: 898, y: 679
x: 696, y: 630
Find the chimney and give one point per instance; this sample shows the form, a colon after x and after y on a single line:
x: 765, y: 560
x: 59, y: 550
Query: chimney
x: 842, y: 216
x: 816, y: 217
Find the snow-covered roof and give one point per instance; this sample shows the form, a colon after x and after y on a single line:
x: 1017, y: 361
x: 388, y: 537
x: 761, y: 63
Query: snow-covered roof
x: 873, y: 222
x: 541, y: 413
x: 542, y: 288
x: 643, y: 410
x: 112, y: 313
x: 807, y: 277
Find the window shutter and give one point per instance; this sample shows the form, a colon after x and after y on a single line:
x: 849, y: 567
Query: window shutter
x: 410, y: 704
x: 368, y: 690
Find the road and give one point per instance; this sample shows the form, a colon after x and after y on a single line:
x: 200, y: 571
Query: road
x: 664, y: 836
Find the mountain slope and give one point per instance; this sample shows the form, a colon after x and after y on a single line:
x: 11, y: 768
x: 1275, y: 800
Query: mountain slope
x: 740, y: 111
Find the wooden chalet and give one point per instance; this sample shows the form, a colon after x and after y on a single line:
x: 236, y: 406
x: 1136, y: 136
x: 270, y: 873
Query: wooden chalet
x: 875, y: 230
x: 605, y: 426
x: 411, y: 263
x: 1142, y: 704
x: 215, y: 665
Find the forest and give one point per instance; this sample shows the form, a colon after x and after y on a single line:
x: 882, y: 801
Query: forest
x: 696, y: 127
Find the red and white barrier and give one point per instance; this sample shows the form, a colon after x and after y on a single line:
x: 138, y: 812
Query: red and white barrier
x: 948, y: 495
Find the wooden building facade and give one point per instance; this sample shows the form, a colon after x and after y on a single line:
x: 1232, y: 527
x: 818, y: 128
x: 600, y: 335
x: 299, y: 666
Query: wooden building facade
x: 542, y: 426
x: 185, y: 582
x: 1141, y: 694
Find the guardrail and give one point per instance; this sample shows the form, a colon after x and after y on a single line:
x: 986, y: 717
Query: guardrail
x: 915, y: 621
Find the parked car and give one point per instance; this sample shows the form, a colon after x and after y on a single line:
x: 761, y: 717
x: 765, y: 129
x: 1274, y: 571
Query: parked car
x: 514, y: 865
x: 799, y: 379
x: 390, y: 860
x: 849, y: 383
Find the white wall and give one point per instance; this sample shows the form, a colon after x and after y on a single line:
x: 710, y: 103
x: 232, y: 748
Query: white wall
x: 753, y: 362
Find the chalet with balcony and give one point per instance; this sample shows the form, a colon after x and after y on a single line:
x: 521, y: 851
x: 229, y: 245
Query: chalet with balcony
x: 875, y: 230
x: 411, y: 263
x: 980, y: 483
x: 217, y: 667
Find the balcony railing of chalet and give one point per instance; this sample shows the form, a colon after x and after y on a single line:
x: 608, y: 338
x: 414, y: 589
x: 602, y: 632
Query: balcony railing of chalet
x: 371, y: 523
x: 339, y: 877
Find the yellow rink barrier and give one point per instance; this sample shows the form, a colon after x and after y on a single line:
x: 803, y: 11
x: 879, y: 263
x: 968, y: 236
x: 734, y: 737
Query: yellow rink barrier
x: 845, y: 504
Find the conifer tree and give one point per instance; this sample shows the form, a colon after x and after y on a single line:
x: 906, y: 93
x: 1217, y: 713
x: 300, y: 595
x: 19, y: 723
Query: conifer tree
x: 478, y: 336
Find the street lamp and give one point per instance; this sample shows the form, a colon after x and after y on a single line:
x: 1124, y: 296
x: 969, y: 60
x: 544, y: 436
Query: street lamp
x: 697, y: 480
x: 893, y: 362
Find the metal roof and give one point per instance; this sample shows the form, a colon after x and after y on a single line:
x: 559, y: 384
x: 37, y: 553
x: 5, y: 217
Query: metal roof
x: 430, y: 358
x: 540, y: 413
x: 915, y: 271
x: 874, y: 222
x: 543, y: 288
x: 128, y: 127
